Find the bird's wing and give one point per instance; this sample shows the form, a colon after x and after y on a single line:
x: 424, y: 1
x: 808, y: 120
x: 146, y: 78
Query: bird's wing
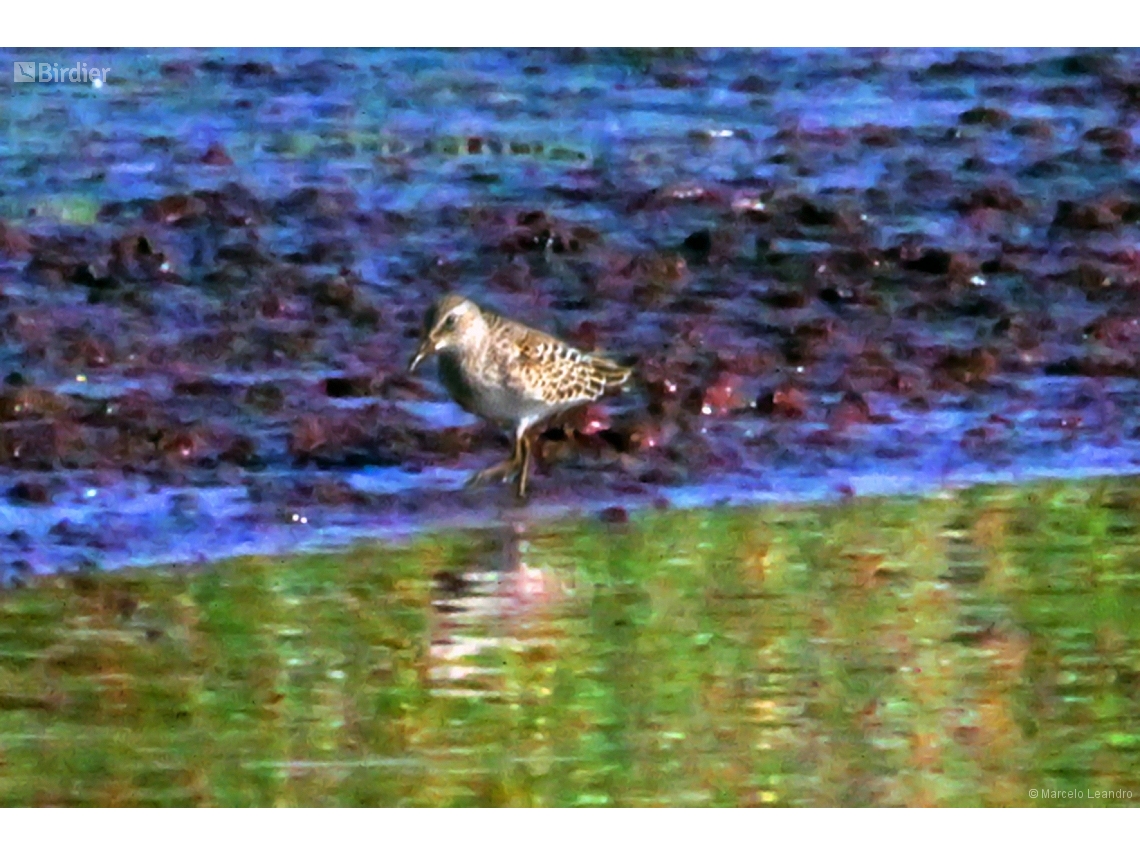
x: 546, y: 368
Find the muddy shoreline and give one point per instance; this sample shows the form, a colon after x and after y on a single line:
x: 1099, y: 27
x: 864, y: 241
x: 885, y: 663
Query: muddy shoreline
x: 839, y: 273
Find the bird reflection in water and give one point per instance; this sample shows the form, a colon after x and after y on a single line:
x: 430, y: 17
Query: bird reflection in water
x: 500, y: 603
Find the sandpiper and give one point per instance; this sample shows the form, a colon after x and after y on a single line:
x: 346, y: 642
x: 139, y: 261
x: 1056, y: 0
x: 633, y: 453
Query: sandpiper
x: 509, y: 374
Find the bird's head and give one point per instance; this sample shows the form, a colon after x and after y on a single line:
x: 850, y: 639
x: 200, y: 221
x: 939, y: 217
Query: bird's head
x: 453, y: 322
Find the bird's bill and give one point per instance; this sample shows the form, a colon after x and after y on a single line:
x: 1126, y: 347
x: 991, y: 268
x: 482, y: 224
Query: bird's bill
x: 425, y: 350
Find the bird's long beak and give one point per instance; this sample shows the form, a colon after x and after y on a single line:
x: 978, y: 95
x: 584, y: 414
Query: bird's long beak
x: 425, y: 350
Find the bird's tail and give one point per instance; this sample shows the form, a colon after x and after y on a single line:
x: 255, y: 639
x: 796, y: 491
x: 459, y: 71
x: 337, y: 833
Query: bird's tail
x: 610, y: 373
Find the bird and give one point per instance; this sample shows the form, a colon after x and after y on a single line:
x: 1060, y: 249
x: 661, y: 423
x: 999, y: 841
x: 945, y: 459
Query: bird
x: 510, y: 374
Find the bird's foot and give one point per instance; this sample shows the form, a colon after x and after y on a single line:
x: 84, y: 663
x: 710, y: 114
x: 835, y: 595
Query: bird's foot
x: 500, y: 471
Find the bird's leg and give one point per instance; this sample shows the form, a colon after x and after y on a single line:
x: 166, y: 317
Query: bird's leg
x: 502, y: 470
x: 524, y: 462
x: 516, y: 466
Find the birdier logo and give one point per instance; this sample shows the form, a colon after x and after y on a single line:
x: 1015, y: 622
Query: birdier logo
x: 53, y: 72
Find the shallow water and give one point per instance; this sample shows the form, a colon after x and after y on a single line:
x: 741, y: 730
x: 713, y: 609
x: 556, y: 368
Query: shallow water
x: 968, y: 649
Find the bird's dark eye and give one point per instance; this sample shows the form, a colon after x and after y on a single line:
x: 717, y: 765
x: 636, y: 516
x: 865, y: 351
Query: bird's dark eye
x: 449, y: 324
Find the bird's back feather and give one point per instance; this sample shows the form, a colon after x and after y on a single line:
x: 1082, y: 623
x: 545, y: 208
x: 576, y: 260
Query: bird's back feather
x: 549, y: 369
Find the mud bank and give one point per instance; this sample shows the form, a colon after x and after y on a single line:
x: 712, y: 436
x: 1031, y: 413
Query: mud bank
x: 840, y: 273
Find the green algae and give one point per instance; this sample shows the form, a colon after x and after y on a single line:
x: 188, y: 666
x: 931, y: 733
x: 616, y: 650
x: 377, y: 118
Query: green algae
x: 968, y: 649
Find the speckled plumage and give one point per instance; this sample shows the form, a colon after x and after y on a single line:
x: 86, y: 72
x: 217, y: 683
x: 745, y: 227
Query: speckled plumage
x: 509, y: 373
